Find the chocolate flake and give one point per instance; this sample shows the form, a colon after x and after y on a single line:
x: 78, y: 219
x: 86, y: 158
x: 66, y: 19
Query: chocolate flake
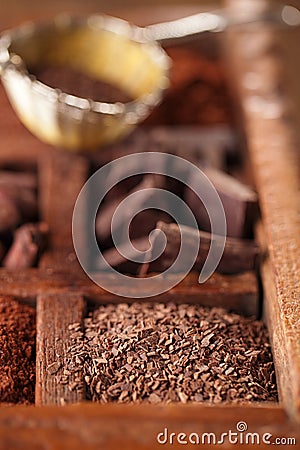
x: 157, y: 353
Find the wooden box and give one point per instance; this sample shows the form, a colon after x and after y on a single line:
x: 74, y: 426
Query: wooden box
x: 60, y: 289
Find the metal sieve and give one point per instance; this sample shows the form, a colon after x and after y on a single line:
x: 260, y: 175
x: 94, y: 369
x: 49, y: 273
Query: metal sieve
x: 108, y: 49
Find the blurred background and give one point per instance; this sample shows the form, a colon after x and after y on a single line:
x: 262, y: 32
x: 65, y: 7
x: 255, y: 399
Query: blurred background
x: 141, y: 12
x: 16, y: 10
x: 13, y: 11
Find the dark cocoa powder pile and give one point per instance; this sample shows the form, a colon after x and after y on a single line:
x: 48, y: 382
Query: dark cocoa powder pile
x: 17, y: 356
x: 198, y: 92
x: 78, y: 83
x: 150, y: 352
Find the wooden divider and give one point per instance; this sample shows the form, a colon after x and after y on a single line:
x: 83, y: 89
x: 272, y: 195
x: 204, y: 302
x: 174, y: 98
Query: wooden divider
x: 255, y: 54
x: 55, y: 314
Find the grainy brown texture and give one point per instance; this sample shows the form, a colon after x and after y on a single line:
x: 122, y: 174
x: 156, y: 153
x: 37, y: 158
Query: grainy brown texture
x: 198, y: 92
x: 54, y: 315
x: 73, y: 82
x: 113, y: 426
x: 17, y: 356
x: 150, y: 352
x: 275, y: 157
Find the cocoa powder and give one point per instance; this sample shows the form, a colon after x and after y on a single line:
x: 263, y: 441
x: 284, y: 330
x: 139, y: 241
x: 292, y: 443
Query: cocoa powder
x: 198, y: 93
x: 77, y: 83
x: 17, y: 356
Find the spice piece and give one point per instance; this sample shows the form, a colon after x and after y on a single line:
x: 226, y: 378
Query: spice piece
x: 17, y: 356
x: 239, y: 202
x: 153, y: 353
x: 198, y: 93
x: 239, y: 254
x: 29, y: 241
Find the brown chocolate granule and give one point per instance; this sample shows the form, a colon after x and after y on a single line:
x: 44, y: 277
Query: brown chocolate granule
x: 77, y: 83
x: 17, y: 356
x: 151, y: 352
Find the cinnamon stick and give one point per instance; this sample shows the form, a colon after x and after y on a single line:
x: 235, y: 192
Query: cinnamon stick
x: 238, y: 256
x: 10, y: 215
x: 28, y: 242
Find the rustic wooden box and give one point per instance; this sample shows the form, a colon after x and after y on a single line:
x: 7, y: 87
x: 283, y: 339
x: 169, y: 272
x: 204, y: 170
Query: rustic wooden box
x: 60, y: 288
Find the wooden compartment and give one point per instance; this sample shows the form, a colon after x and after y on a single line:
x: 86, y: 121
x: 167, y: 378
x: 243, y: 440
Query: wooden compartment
x: 61, y: 290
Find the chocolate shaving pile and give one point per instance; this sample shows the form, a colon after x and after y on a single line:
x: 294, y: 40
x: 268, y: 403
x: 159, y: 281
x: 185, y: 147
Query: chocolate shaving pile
x: 151, y: 352
x: 17, y: 356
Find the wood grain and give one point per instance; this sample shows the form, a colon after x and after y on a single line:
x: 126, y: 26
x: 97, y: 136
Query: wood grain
x: 275, y: 158
x: 233, y: 292
x: 113, y: 426
x: 54, y: 314
x: 61, y: 177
